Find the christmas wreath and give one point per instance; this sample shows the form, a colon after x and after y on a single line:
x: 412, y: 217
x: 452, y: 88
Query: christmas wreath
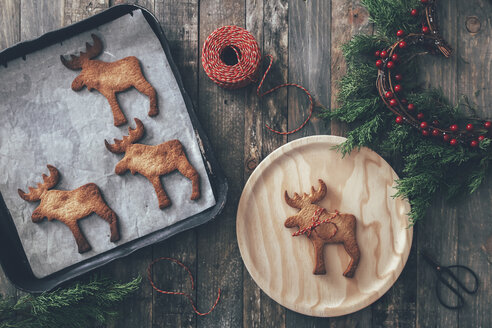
x: 444, y: 148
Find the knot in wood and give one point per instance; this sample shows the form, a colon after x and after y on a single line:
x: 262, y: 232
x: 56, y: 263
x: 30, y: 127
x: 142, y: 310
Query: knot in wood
x: 473, y: 24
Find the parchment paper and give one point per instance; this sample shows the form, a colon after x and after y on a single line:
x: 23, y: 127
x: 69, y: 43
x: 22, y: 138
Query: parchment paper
x: 44, y: 122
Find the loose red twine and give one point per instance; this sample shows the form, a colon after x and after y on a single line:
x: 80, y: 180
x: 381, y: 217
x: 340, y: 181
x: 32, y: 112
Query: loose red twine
x: 149, y: 276
x: 246, y: 69
x: 316, y: 222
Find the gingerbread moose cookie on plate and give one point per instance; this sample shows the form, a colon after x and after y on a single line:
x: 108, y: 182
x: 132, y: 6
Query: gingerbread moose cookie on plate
x: 110, y: 78
x: 323, y: 227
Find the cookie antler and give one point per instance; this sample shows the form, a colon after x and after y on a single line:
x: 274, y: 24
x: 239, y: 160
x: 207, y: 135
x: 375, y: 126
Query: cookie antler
x: 91, y: 51
x: 295, y: 202
x: 49, y: 182
x: 316, y: 196
x: 134, y: 135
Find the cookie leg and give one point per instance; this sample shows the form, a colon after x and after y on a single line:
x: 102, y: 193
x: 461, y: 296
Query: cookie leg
x: 189, y: 171
x: 164, y: 201
x: 147, y: 89
x: 119, y: 117
x: 82, y: 243
x: 109, y: 216
x: 319, y: 266
x: 352, y: 249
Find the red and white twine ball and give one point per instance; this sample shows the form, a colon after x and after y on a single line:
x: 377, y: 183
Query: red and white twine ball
x: 248, y: 56
x: 247, y: 68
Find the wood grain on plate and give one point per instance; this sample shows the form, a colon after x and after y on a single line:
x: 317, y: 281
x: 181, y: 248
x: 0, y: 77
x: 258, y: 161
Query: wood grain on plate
x: 362, y: 184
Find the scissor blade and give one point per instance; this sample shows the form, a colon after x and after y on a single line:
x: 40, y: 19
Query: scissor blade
x: 429, y: 259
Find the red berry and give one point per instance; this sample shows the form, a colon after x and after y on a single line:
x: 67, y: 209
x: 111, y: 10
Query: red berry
x: 481, y: 138
x: 425, y: 29
x: 383, y: 54
x: 398, y: 77
x: 390, y: 64
x: 414, y: 12
x: 420, y: 116
x: 435, y: 132
x: 394, y: 57
x: 425, y: 133
x: 389, y: 95
x: 402, y: 44
x: 473, y: 143
x: 453, y: 142
x: 400, y: 33
x: 454, y: 127
x: 424, y: 1
x: 423, y: 125
x: 398, y: 88
x: 393, y: 102
x: 377, y: 54
x: 404, y: 101
x: 435, y: 123
x: 399, y: 120
x: 469, y: 127
x: 487, y: 125
x: 446, y: 137
x: 411, y: 107
x: 379, y: 63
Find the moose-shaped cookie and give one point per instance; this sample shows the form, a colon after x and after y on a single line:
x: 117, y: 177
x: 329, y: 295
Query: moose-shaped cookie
x: 110, y: 78
x: 323, y: 227
x: 154, y: 161
x: 69, y: 206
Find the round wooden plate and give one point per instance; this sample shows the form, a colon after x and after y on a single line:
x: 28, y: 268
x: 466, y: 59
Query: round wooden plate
x: 362, y: 184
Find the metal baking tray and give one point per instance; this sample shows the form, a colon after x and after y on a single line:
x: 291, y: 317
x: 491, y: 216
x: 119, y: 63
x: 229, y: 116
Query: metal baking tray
x: 12, y: 256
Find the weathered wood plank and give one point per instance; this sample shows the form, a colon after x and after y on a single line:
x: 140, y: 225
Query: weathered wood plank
x: 475, y: 74
x: 136, y: 311
x: 9, y: 35
x: 309, y: 62
x: 9, y: 23
x: 147, y: 4
x: 438, y: 231
x: 348, y: 17
x: 311, y: 38
x: 253, y: 154
x: 305, y: 56
x: 222, y: 114
x: 77, y: 10
x: 273, y: 109
x: 39, y: 17
x: 180, y: 23
x: 174, y: 310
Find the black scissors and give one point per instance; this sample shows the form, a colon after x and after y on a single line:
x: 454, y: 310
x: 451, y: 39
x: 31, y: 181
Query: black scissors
x: 446, y: 277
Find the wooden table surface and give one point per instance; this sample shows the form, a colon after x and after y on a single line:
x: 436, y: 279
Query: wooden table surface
x: 304, y: 37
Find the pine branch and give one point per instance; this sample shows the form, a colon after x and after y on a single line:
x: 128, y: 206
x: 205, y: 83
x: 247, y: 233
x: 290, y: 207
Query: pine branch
x: 79, y: 306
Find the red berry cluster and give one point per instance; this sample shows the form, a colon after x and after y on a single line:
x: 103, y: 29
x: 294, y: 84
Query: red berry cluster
x: 387, y: 62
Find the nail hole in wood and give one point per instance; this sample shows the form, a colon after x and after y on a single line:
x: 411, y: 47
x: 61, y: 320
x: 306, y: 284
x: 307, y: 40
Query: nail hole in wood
x: 473, y: 24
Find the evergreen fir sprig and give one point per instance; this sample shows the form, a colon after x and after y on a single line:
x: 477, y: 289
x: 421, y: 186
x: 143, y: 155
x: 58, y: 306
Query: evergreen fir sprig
x: 429, y: 166
x: 78, y: 306
x: 391, y: 15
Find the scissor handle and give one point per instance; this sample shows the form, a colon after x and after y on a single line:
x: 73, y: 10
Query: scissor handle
x: 446, y: 271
